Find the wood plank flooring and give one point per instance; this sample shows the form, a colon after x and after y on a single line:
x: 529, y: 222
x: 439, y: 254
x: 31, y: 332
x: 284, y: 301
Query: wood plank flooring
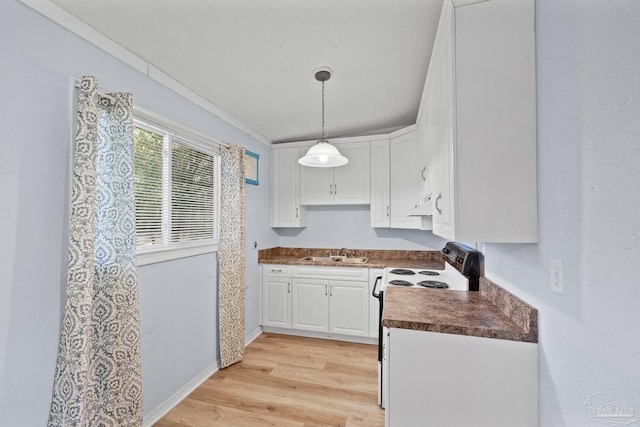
x: 288, y: 381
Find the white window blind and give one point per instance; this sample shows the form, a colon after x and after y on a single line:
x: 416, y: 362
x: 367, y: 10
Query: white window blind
x: 176, y: 190
x: 192, y: 194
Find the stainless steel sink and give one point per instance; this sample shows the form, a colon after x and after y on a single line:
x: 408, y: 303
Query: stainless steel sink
x: 321, y: 258
x: 355, y: 260
x: 352, y: 260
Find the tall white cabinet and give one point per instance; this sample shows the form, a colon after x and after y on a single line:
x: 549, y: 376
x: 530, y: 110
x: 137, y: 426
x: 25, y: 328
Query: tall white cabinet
x: 404, y: 177
x: 380, y: 180
x: 286, y: 210
x: 479, y: 114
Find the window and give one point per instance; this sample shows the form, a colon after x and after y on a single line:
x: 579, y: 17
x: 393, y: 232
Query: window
x: 176, y: 193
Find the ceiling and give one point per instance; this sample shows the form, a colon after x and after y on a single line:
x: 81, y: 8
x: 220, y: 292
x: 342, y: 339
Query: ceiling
x: 256, y: 59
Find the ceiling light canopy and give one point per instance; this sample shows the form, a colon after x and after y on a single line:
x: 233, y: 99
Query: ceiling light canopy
x: 323, y: 154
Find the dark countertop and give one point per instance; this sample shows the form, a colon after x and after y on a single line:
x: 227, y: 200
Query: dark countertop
x: 377, y: 258
x: 494, y: 313
x: 491, y: 312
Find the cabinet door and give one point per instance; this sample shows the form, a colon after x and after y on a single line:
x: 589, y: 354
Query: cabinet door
x: 351, y: 182
x: 342, y: 185
x: 349, y: 308
x: 316, y: 185
x: 285, y: 206
x: 443, y: 132
x: 424, y: 123
x: 276, y: 302
x: 310, y: 304
x: 404, y: 180
x: 380, y: 208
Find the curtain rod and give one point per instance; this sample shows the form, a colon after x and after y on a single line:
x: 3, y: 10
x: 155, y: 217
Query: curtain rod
x: 111, y: 99
x: 159, y: 120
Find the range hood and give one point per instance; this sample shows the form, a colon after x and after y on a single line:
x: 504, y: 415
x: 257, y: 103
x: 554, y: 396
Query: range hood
x: 424, y: 208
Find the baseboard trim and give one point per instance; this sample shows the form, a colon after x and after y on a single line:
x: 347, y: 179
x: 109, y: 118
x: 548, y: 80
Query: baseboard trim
x: 255, y: 334
x: 321, y: 335
x: 163, y: 409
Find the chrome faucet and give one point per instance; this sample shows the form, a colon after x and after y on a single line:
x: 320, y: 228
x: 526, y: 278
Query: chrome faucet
x: 345, y: 251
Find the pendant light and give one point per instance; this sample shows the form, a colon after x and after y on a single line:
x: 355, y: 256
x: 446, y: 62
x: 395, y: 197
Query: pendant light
x: 323, y: 154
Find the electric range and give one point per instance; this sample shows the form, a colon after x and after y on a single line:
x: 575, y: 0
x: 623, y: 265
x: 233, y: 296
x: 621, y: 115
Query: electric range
x: 462, y: 270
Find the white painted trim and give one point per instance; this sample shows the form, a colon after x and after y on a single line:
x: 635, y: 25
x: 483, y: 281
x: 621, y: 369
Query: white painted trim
x: 167, y: 254
x: 310, y: 142
x: 461, y: 3
x: 321, y: 335
x: 73, y: 24
x: 255, y: 334
x: 403, y: 131
x: 155, y: 119
x: 163, y: 409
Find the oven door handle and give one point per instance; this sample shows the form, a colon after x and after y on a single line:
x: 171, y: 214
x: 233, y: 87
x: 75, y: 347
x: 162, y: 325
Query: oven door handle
x: 375, y: 287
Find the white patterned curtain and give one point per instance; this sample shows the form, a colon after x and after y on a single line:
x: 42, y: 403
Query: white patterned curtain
x: 231, y: 256
x: 98, y: 378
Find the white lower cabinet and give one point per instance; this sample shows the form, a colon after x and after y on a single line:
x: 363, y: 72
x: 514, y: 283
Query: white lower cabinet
x: 349, y: 308
x: 328, y: 300
x: 310, y: 306
x: 276, y: 296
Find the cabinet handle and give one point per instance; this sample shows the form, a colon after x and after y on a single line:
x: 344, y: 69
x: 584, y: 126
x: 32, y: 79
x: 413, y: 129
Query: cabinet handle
x: 330, y: 188
x: 289, y: 287
x: 297, y: 212
x: 330, y: 290
x: 437, y: 205
x: 387, y: 211
x: 335, y: 188
x: 325, y: 290
x: 276, y: 270
x: 424, y: 178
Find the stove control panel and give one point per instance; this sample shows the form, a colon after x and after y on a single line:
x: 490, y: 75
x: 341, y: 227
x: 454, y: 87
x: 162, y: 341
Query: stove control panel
x: 466, y: 260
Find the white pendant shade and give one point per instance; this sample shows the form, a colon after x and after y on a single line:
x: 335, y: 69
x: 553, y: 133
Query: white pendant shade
x: 323, y: 155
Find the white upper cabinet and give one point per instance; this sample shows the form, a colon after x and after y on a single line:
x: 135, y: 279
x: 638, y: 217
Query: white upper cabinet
x: 285, y: 183
x: 380, y: 203
x: 479, y: 118
x: 404, y: 178
x: 342, y: 185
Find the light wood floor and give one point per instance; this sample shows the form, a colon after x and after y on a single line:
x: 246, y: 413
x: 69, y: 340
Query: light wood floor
x: 288, y: 381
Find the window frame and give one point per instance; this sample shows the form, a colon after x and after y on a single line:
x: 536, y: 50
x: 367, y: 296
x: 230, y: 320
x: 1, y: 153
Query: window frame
x: 153, y: 122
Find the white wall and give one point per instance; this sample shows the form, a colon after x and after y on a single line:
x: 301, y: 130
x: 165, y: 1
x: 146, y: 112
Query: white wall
x: 350, y: 226
x: 177, y: 299
x: 588, y: 71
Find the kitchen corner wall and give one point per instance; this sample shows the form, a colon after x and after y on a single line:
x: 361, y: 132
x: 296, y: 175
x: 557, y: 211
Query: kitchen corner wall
x: 588, y: 79
x: 350, y: 226
x: 178, y: 299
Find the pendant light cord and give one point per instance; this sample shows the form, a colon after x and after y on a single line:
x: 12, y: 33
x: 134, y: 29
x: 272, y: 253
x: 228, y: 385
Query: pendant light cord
x: 324, y: 135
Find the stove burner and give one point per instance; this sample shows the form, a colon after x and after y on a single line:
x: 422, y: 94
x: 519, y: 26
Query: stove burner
x: 402, y: 272
x: 429, y: 273
x: 400, y: 283
x: 433, y: 284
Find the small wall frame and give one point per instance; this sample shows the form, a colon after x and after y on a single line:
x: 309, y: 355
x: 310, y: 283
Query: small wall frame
x: 251, y: 167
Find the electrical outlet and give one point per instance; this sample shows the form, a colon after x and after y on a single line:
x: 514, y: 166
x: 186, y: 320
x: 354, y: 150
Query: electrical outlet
x: 557, y: 279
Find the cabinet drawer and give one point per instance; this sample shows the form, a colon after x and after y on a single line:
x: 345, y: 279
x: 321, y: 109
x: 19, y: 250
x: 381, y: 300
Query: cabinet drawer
x: 277, y: 270
x: 331, y: 273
